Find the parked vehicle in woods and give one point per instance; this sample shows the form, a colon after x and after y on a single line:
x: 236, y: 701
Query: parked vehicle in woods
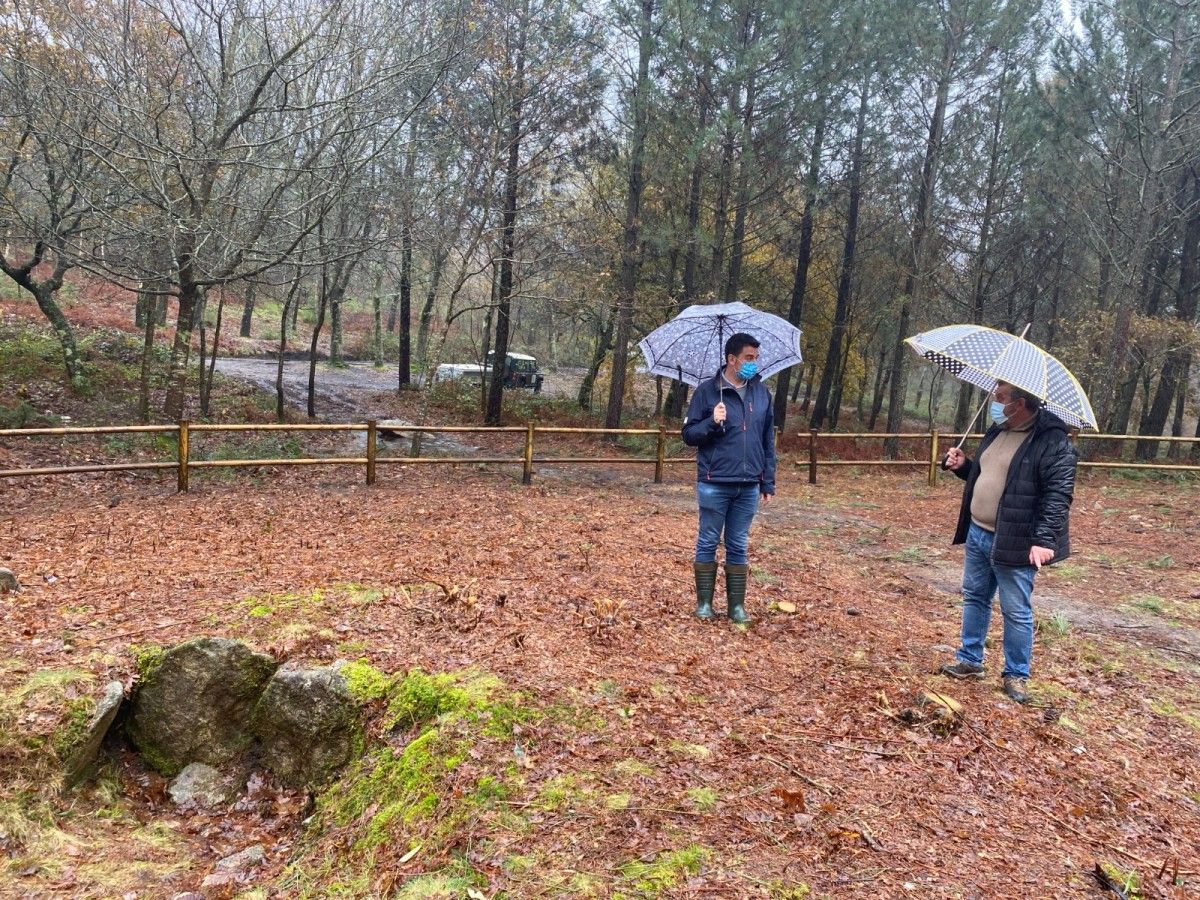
x: 520, y: 371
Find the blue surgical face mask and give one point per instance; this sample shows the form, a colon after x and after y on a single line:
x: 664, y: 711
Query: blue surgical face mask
x: 996, y: 410
x: 747, y: 370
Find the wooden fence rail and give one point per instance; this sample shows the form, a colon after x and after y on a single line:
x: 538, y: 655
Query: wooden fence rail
x: 183, y: 463
x: 934, y: 439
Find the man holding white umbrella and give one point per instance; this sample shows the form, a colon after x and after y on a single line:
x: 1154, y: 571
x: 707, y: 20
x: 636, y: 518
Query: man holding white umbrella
x: 726, y: 350
x: 1013, y: 521
x: 1013, y: 516
x: 731, y: 423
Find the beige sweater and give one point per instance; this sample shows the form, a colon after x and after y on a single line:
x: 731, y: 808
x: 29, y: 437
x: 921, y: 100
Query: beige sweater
x: 993, y: 474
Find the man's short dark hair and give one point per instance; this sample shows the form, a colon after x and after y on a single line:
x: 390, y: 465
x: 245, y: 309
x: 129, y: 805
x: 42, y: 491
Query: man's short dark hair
x: 1030, y: 402
x: 739, y: 342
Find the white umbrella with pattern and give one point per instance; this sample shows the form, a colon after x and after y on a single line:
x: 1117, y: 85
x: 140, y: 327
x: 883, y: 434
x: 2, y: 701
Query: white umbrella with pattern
x: 691, y: 347
x: 983, y: 356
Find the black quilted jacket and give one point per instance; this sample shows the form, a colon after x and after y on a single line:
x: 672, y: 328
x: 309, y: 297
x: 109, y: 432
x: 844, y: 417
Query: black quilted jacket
x: 1037, y: 496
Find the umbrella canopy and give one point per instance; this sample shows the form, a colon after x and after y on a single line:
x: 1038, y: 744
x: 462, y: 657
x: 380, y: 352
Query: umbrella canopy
x: 983, y: 356
x: 691, y: 347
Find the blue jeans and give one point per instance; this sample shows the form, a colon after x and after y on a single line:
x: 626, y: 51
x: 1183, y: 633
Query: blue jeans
x: 981, y: 580
x: 729, y: 508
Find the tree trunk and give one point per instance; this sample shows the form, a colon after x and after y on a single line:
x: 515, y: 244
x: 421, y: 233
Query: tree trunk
x: 914, y: 278
x: 44, y: 292
x: 745, y: 163
x: 604, y: 334
x: 1175, y: 452
x: 495, y: 395
x: 247, y: 312
x: 677, y: 395
x: 966, y: 394
x: 841, y: 312
x: 404, y: 354
x: 149, y: 324
x: 1178, y: 359
x: 206, y: 383
x: 881, y: 382
x: 292, y: 299
x: 633, y: 219
x: 181, y: 347
x: 803, y: 260
x: 439, y: 262
x: 1140, y: 247
x: 335, y: 332
x: 322, y: 301
x: 721, y: 215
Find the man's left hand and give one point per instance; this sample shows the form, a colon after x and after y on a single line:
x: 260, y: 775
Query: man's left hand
x: 766, y: 498
x: 1039, y: 556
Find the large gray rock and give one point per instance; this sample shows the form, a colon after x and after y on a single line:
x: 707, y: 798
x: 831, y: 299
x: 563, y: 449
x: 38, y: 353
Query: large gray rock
x: 307, y: 724
x: 194, y: 704
x: 8, y: 582
x: 82, y: 759
x: 203, y: 786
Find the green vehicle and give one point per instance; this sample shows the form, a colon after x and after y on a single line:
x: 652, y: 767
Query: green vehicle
x: 520, y: 371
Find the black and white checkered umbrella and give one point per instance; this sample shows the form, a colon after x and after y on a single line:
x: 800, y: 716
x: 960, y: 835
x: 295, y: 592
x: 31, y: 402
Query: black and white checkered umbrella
x: 691, y: 347
x: 983, y: 356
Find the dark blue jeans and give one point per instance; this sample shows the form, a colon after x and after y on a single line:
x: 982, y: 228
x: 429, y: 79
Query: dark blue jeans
x: 981, y: 581
x: 727, y: 508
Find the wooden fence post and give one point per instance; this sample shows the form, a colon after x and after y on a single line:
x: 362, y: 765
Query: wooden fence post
x: 812, y: 456
x: 933, y: 457
x: 660, y: 452
x: 527, y: 473
x: 184, y: 451
x: 371, y: 425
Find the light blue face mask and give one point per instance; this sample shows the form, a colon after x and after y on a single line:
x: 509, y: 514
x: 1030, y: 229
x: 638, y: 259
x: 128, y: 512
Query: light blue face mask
x: 747, y: 370
x: 996, y: 410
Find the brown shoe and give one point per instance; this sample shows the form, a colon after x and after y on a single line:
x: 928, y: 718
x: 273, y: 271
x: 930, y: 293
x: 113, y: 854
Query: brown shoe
x: 1015, y: 689
x: 962, y: 670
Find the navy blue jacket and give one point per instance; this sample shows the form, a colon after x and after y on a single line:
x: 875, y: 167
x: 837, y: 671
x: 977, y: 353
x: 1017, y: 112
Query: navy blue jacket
x: 1037, y: 495
x: 740, y: 451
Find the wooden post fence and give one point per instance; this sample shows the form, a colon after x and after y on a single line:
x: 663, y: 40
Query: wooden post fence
x: 184, y: 452
x: 183, y: 462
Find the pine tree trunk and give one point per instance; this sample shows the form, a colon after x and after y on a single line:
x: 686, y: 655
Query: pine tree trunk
x: 632, y: 225
x: 837, y: 333
x: 495, y: 395
x: 915, y: 276
x: 803, y: 260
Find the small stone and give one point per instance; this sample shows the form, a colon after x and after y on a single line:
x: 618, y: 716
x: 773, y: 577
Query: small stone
x: 8, y: 582
x: 853, y: 611
x: 942, y: 648
x: 218, y: 884
x: 188, y: 895
x: 83, y: 758
x: 202, y: 786
x: 243, y: 861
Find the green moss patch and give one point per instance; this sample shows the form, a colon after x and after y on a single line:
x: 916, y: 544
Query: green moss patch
x: 441, y: 764
x: 650, y: 878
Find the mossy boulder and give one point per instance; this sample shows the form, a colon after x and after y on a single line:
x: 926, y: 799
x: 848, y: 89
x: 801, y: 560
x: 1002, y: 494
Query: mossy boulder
x: 307, y: 724
x: 193, y: 703
x: 83, y: 747
x: 8, y: 582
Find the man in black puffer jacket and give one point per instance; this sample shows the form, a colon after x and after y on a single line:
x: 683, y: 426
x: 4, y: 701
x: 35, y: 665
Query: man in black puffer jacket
x: 1013, y: 521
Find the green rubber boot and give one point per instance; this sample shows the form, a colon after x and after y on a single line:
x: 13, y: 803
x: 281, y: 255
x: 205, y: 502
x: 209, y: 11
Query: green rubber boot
x: 706, y: 586
x: 735, y: 592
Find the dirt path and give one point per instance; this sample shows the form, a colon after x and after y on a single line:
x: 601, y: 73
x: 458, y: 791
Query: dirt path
x: 349, y: 390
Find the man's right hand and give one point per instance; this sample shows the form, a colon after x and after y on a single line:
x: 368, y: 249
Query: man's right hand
x: 955, y: 459
x: 719, y: 413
